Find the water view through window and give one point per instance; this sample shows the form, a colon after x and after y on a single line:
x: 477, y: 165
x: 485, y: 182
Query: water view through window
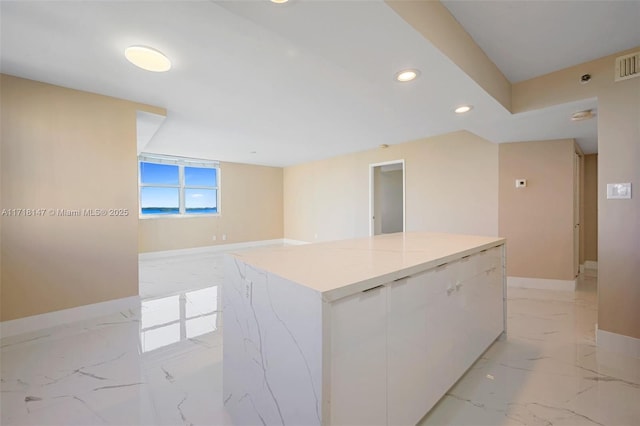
x: 171, y: 189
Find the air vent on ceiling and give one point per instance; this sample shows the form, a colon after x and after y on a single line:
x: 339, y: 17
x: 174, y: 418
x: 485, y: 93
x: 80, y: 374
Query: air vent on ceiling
x: 627, y: 66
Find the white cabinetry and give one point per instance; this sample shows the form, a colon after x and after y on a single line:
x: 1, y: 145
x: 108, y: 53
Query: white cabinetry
x: 360, y: 332
x: 420, y: 344
x: 394, y: 364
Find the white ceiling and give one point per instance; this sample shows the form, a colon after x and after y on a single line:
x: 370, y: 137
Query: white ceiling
x: 295, y: 82
x: 529, y: 38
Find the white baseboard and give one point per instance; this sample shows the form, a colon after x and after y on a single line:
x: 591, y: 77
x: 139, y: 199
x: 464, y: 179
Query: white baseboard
x: 619, y: 343
x: 541, y: 283
x: 294, y: 242
x: 213, y: 249
x: 64, y: 316
x: 590, y: 264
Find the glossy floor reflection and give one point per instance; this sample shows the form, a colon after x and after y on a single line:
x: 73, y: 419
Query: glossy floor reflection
x: 158, y: 365
x: 161, y: 364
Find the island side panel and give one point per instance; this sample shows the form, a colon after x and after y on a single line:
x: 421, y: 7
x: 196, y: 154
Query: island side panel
x: 272, y: 348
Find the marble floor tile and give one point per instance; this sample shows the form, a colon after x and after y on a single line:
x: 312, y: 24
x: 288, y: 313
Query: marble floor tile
x: 161, y: 364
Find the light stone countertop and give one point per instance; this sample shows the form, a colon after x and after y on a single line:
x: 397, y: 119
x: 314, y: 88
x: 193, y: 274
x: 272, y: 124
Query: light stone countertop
x: 338, y: 269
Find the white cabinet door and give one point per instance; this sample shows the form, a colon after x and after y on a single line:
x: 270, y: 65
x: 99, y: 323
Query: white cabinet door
x: 407, y: 336
x: 358, y: 386
x: 461, y: 315
x: 420, y: 343
x: 488, y: 291
x: 478, y: 303
x: 441, y: 329
x: 495, y: 291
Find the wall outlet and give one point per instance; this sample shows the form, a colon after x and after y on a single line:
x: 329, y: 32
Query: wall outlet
x: 214, y: 238
x: 521, y: 183
x: 224, y: 237
x: 315, y: 236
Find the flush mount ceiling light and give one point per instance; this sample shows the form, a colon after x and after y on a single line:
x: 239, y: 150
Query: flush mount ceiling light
x: 279, y: 1
x: 463, y: 108
x: 147, y: 58
x: 406, y: 75
x: 582, y: 115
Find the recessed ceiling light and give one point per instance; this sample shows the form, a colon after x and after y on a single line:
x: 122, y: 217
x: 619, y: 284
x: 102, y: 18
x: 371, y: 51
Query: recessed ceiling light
x: 147, y: 58
x: 279, y: 1
x: 582, y: 115
x: 463, y: 108
x: 407, y: 75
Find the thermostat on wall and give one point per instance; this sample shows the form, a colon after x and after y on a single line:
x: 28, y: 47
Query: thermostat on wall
x: 521, y: 183
x: 619, y: 190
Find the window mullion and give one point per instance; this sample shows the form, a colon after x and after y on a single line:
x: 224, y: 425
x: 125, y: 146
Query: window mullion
x: 139, y: 189
x: 159, y: 185
x: 200, y: 187
x: 182, y: 196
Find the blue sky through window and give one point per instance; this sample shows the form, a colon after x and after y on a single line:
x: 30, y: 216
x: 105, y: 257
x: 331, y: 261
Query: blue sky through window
x: 196, y: 176
x: 165, y: 174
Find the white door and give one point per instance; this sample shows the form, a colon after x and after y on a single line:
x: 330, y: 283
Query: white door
x: 386, y: 197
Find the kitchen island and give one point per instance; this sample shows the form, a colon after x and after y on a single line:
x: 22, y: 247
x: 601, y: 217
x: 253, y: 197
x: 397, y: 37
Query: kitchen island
x: 370, y: 331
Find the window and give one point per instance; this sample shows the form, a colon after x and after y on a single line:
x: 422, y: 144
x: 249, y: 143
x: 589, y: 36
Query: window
x: 178, y: 186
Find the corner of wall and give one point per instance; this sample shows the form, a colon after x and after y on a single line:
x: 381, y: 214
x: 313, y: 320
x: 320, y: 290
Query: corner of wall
x: 540, y: 239
x: 60, y: 148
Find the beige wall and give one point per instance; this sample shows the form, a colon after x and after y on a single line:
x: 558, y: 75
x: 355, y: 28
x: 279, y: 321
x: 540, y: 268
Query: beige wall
x: 66, y: 149
x: 451, y: 186
x: 591, y: 207
x: 537, y: 220
x: 619, y: 220
x: 618, y: 118
x: 251, y: 210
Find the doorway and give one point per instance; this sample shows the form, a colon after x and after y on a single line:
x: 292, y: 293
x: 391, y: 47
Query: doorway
x: 386, y: 197
x: 577, y: 211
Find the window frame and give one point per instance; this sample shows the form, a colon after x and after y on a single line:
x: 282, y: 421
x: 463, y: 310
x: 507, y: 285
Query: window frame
x: 181, y: 163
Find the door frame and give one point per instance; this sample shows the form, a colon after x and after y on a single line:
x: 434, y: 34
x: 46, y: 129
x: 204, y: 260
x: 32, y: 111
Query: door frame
x: 577, y: 211
x: 372, y: 194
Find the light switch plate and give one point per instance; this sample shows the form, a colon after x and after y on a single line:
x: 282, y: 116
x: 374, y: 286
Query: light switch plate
x: 618, y: 191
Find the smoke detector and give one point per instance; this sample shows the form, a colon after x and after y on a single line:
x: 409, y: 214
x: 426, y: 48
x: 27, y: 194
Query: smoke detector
x: 582, y: 115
